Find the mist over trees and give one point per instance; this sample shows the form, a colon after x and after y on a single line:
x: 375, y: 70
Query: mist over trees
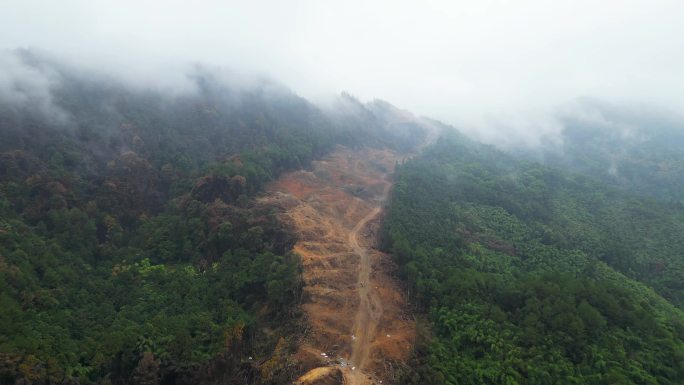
x: 132, y: 249
x: 533, y: 275
x: 540, y: 240
x: 637, y: 148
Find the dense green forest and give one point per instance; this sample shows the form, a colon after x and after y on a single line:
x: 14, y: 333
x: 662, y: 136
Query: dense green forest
x: 132, y: 250
x: 531, y: 275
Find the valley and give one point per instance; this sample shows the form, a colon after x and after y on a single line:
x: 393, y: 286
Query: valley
x: 359, y: 328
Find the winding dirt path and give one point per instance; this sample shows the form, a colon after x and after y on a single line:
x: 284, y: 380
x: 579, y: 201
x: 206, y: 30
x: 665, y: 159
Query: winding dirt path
x: 359, y: 330
x: 370, y: 309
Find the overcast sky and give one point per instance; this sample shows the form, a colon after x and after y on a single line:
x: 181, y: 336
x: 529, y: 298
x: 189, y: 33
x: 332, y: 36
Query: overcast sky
x: 475, y: 63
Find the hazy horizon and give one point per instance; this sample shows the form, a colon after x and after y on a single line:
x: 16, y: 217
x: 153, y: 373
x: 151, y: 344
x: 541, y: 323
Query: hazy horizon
x: 499, y: 70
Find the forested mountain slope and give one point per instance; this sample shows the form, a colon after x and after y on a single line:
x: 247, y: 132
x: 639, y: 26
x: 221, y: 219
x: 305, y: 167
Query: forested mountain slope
x: 531, y: 275
x: 131, y: 248
x: 637, y: 149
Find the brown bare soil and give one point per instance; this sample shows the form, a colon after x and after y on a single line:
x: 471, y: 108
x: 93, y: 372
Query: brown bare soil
x: 359, y: 331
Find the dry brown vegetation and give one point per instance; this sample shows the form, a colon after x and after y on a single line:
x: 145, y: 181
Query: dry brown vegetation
x: 355, y: 312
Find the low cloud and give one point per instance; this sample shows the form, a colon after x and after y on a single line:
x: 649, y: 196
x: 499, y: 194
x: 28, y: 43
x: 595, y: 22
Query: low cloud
x: 496, y: 69
x: 29, y: 85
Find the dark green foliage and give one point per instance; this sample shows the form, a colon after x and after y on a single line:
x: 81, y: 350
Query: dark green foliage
x: 129, y: 236
x: 175, y: 283
x: 533, y: 276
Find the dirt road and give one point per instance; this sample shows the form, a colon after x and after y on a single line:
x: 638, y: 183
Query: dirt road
x: 370, y: 308
x: 360, y: 331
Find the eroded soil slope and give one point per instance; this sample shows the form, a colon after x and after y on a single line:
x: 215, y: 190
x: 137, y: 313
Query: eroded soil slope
x: 358, y: 328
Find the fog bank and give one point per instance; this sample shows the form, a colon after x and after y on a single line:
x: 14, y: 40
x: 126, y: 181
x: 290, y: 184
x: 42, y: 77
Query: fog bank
x: 499, y: 70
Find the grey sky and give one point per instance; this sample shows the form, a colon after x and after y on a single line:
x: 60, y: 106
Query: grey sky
x: 480, y: 64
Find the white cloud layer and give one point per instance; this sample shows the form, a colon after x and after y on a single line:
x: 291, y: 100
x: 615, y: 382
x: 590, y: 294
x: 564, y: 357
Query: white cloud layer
x: 495, y: 68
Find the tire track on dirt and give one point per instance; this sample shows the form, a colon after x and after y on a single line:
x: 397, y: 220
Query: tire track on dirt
x: 359, y: 329
x: 369, y: 310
